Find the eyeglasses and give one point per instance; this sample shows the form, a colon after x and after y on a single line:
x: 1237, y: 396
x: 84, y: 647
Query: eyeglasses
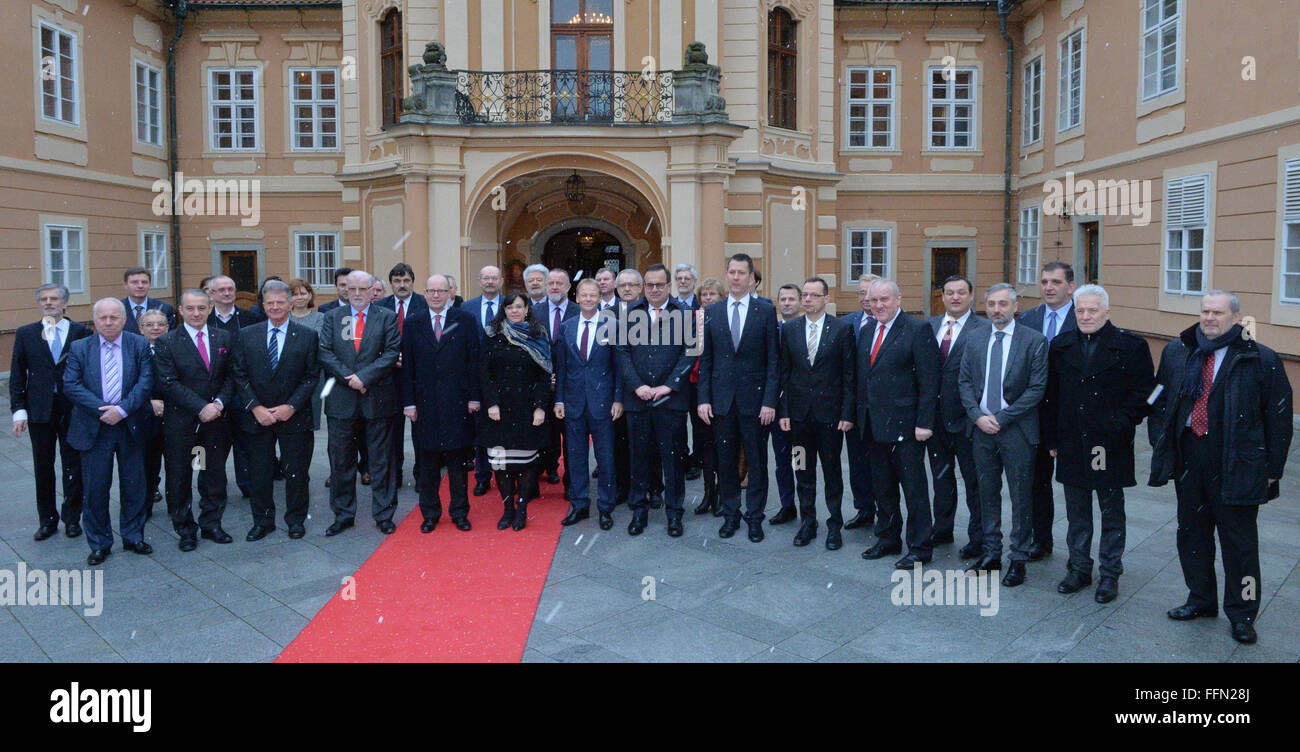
x: 814, y: 295
x: 438, y: 291
x: 656, y: 285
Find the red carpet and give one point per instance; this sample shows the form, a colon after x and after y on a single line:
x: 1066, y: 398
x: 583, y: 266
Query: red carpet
x: 445, y: 596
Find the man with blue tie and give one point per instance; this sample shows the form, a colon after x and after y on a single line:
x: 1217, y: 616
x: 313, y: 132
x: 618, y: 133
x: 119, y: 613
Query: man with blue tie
x: 1055, y: 316
x: 484, y: 308
x: 109, y: 378
x: 553, y: 310
x: 588, y: 398
x: 138, y: 281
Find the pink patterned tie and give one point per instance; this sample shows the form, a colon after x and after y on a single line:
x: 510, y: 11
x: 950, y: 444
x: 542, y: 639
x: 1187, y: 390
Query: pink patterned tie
x: 203, y: 352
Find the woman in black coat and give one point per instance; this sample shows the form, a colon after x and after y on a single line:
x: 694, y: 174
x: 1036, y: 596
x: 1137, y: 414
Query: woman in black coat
x: 516, y: 382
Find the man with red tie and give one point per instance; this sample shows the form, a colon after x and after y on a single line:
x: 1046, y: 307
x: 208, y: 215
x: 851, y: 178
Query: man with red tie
x: 404, y: 302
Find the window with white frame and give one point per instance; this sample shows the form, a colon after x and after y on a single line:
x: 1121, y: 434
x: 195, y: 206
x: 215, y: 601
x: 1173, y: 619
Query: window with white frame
x: 1027, y: 260
x: 314, y: 104
x: 952, y: 108
x: 1032, y: 105
x: 1186, y: 220
x: 317, y: 257
x: 1291, y: 233
x: 1159, y: 47
x: 64, y: 256
x: 871, y: 107
x: 153, y: 256
x: 58, y: 72
x: 1070, y: 85
x: 868, y: 252
x: 232, y: 105
x: 148, y: 104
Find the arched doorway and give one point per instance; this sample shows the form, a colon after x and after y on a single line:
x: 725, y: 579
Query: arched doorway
x: 583, y: 251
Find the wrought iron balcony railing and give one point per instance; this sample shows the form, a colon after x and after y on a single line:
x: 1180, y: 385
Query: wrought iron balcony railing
x: 558, y: 97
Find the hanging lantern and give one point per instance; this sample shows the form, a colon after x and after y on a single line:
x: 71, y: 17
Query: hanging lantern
x: 575, y: 188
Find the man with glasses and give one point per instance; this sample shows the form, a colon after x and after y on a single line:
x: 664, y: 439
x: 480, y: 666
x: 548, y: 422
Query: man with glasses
x: 864, y: 496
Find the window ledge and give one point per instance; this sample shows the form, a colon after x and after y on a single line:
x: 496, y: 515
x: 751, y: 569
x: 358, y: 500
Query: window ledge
x: 1177, y: 96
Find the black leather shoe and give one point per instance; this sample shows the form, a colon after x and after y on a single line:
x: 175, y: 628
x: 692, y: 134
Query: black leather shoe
x: 861, y: 519
x: 217, y: 535
x: 1074, y: 582
x: 1015, y: 574
x: 339, y: 526
x: 45, y: 531
x: 1244, y: 631
x: 245, y: 492
x: 909, y: 561
x: 706, y: 504
x: 595, y: 472
x: 807, y: 533
x: 1107, y: 589
x: 521, y: 515
x: 755, y: 532
x: 508, y: 516
x: 881, y: 550
x: 693, y: 474
x: 97, y: 556
x: 971, y: 550
x: 142, y: 548
x: 462, y: 524
x: 717, y: 505
x: 675, y: 528
x: 72, y: 530
x: 655, y: 499
x: 387, y: 527
x: 1187, y: 612
x: 938, y: 539
x: 366, y: 479
x: 728, y: 529
x: 258, y: 532
x: 986, y: 564
x: 297, y: 531
x: 428, y: 526
x: 1040, y: 551
x: 575, y: 516
x: 157, y: 497
x: 552, y: 477
x: 833, y: 540
x: 606, y: 520
x: 785, y: 515
x: 188, y: 543
x: 638, y: 523
x: 481, y: 488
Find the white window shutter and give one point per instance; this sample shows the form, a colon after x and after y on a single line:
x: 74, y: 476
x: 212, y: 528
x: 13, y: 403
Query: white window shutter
x: 1291, y: 200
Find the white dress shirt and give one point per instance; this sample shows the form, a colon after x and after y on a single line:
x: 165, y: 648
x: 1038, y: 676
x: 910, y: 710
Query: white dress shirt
x: 63, y: 326
x: 281, y: 332
x: 957, y: 326
x: 591, y: 336
x: 988, y: 358
x: 744, y: 310
x: 812, y: 332
x: 482, y: 309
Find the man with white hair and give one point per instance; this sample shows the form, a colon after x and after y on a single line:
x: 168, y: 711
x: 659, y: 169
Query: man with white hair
x: 1098, y: 380
x: 535, y: 278
x: 685, y: 276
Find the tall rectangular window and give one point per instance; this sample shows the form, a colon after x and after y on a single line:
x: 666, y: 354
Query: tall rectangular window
x: 1070, y: 85
x: 314, y: 104
x: 148, y: 105
x: 1159, y: 47
x: 868, y: 252
x: 232, y: 103
x: 391, y: 85
x: 1291, y: 233
x: 782, y: 69
x: 1031, y: 116
x: 64, y: 257
x: 58, y: 71
x: 1186, y: 220
x: 871, y: 107
x: 1027, y: 260
x: 952, y: 108
x: 317, y: 257
x: 153, y: 256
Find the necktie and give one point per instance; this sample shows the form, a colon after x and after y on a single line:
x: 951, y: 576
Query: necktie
x: 1200, y: 411
x: 112, y: 379
x: 735, y: 324
x: 1051, y: 326
x: 273, y: 348
x: 654, y: 315
x: 401, y: 316
x: 555, y: 329
x: 993, y: 394
x: 491, y: 313
x: 880, y: 338
x: 812, y: 343
x: 56, y: 343
x: 947, y: 343
x: 358, y: 331
x: 203, y: 352
x: 138, y: 309
x: 437, y: 326
x: 582, y: 347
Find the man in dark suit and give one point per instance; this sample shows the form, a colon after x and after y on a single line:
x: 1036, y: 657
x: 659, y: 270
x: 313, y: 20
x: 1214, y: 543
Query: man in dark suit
x: 1098, y: 380
x: 656, y: 371
x: 108, y: 379
x: 484, y: 308
x: 358, y: 348
x: 275, y: 373
x: 630, y: 288
x: 230, y: 318
x: 193, y: 363
x: 403, y: 302
x: 554, y: 310
x: 456, y: 299
x: 138, y: 281
x: 340, y: 289
x: 788, y: 303
x: 1221, y: 429
x: 686, y: 277
x: 951, y: 444
x: 738, y: 387
x: 856, y: 440
x: 588, y: 398
x: 817, y: 405
x: 1003, y: 380
x: 40, y: 407
x: 1053, y: 318
x: 898, y: 386
x: 439, y: 385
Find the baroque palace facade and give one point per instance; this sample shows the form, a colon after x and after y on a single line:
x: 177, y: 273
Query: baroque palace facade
x: 909, y: 139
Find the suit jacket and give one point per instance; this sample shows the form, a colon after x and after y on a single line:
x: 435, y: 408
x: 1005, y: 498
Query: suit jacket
x: 327, y: 307
x: 825, y: 390
x: 899, y: 391
x: 291, y: 383
x: 654, y: 364
x: 951, y: 412
x: 441, y: 377
x: 414, y: 304
x: 187, y: 385
x: 33, y: 373
x: 373, y: 363
x: 589, y: 386
x: 855, y: 320
x: 746, y: 378
x: 82, y: 384
x: 149, y: 305
x: 239, y: 318
x: 1023, y: 385
x: 474, y: 307
x: 694, y: 305
x: 542, y: 311
x: 1036, y: 317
